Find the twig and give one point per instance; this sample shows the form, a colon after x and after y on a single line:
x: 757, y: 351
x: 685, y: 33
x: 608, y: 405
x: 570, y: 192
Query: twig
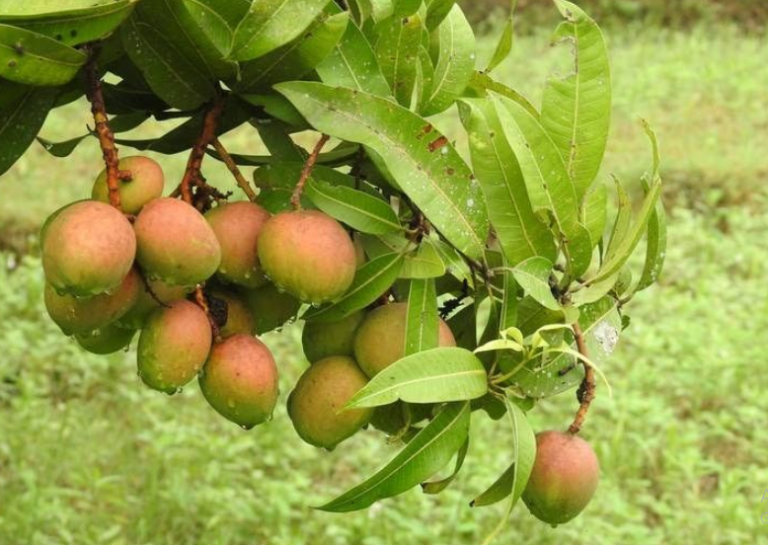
x: 106, y: 138
x: 202, y: 302
x: 242, y: 183
x: 195, y: 161
x: 586, y: 392
x: 307, y: 171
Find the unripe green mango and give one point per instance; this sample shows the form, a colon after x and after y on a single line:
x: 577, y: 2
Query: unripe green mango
x: 315, y: 404
x: 270, y: 308
x: 240, y: 380
x: 105, y: 340
x: 237, y: 226
x: 85, y: 314
x: 308, y: 254
x: 88, y: 248
x: 380, y: 339
x: 175, y: 243
x: 564, y: 477
x: 173, y: 346
x: 146, y: 183
x: 323, y: 339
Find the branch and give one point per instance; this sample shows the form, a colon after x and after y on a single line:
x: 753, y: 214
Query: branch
x: 195, y: 161
x: 586, y: 392
x: 307, y: 171
x: 202, y: 302
x: 242, y: 183
x: 103, y: 132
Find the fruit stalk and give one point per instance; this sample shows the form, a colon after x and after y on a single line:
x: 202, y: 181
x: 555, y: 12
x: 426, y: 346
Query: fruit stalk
x: 586, y: 392
x: 104, y: 133
x: 307, y: 171
x: 195, y: 161
x: 242, y: 183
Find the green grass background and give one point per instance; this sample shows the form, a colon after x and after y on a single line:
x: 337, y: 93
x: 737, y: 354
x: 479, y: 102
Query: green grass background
x: 89, y: 455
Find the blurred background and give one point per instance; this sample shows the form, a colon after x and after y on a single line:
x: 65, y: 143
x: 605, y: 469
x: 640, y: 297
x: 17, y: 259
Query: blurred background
x: 89, y: 455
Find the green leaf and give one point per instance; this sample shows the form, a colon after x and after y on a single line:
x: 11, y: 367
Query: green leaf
x: 656, y: 247
x: 504, y: 45
x: 431, y: 376
x: 188, y: 35
x: 359, y: 210
x: 435, y: 487
x: 600, y: 323
x: 594, y: 212
x: 437, y: 11
x: 482, y: 83
x: 422, y: 457
x: 119, y: 123
x: 296, y: 59
x: 454, y: 263
x: 21, y: 120
x: 624, y: 249
x: 508, y: 314
x: 523, y: 453
x: 549, y: 186
x: 68, y: 22
x: 455, y: 61
x: 422, y: 161
x: 622, y: 221
x: 217, y: 20
x: 422, y: 321
x: 34, y: 59
x: 576, y: 111
x: 533, y: 276
x: 424, y: 263
x: 397, y: 51
x: 352, y: 63
x: 371, y: 281
x: 174, y: 78
x: 520, y: 232
x: 271, y: 24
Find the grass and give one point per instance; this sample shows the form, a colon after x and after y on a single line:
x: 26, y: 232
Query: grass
x: 88, y: 455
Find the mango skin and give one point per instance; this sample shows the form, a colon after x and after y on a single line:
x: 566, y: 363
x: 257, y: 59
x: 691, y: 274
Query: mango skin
x: 564, y: 477
x: 237, y: 227
x: 173, y: 346
x: 240, y: 380
x: 106, y: 340
x: 175, y: 244
x: 88, y: 248
x: 323, y: 339
x: 75, y: 315
x: 315, y: 404
x: 146, y: 184
x: 380, y: 339
x: 145, y: 304
x: 308, y: 254
x: 270, y: 308
x: 239, y: 317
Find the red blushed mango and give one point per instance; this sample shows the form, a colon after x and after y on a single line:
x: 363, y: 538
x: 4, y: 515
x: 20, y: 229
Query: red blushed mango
x: 105, y: 340
x: 380, y: 339
x: 308, y: 254
x: 146, y: 184
x: 173, y: 346
x: 237, y: 226
x: 85, y: 314
x: 564, y: 477
x: 175, y: 243
x: 88, y: 248
x: 315, y: 405
x: 240, y: 380
x: 162, y: 294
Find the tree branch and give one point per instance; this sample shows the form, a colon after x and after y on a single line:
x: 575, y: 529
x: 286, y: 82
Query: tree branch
x: 586, y: 392
x: 104, y: 134
x: 242, y: 183
x: 307, y: 171
x: 196, y: 156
